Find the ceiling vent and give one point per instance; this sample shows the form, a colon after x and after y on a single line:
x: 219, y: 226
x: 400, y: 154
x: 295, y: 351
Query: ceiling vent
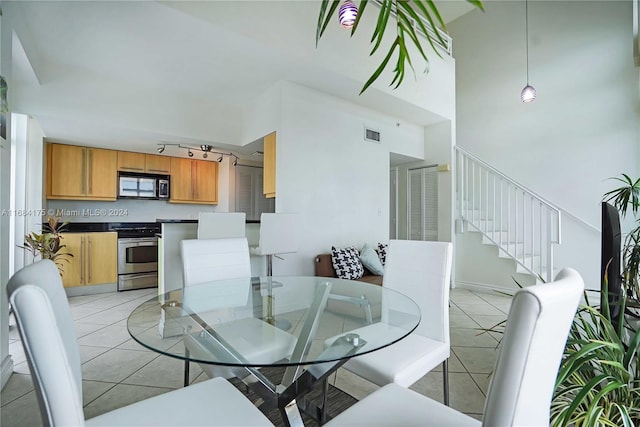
x: 371, y: 135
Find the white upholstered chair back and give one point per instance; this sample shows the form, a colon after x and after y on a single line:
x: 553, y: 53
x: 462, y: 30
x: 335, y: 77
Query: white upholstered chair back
x: 221, y: 225
x: 278, y: 233
x: 422, y: 271
x: 48, y: 336
x: 537, y: 327
x: 205, y: 260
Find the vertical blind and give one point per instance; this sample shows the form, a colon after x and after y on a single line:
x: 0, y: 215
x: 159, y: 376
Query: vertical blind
x: 423, y: 203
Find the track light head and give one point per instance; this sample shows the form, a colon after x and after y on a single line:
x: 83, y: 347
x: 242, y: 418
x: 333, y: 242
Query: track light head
x: 160, y: 149
x: 190, y: 154
x: 205, y: 155
x: 220, y: 159
x: 235, y: 162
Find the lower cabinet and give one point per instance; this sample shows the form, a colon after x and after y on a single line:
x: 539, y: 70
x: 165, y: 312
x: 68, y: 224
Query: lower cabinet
x: 94, y: 261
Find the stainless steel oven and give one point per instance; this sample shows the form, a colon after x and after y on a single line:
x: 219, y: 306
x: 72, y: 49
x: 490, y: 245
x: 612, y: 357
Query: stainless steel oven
x: 137, y: 256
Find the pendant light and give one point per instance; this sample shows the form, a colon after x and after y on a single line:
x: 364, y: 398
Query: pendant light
x: 528, y: 93
x: 347, y: 14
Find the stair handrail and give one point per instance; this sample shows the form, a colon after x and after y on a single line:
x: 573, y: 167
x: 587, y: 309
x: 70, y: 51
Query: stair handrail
x: 506, y: 178
x: 544, y: 200
x: 548, y: 230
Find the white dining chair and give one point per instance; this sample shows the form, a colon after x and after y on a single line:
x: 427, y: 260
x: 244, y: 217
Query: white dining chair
x: 422, y: 271
x: 221, y: 225
x: 207, y: 260
x: 278, y: 235
x: 47, y: 331
x: 523, y: 380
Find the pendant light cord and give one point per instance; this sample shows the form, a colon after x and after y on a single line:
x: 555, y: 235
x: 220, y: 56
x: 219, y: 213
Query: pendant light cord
x: 526, y: 21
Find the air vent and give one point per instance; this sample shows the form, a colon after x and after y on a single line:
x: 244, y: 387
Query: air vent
x: 371, y: 135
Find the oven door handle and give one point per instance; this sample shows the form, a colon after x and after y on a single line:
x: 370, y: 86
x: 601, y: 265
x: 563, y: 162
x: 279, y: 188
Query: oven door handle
x: 134, y: 243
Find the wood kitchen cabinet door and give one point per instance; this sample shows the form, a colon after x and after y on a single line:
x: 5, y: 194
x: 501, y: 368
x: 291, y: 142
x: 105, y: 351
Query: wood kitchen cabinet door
x: 66, y: 171
x: 94, y: 261
x: 205, y: 179
x: 181, y: 180
x: 75, y: 173
x: 72, y: 271
x: 131, y: 162
x: 269, y: 171
x: 102, y: 174
x: 101, y: 258
x: 158, y: 164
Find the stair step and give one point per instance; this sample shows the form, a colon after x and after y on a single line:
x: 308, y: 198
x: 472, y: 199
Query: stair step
x: 527, y: 261
x: 497, y: 236
x: 515, y: 248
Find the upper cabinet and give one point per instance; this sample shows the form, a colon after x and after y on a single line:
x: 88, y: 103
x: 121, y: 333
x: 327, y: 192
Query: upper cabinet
x: 131, y: 162
x: 75, y: 172
x: 146, y: 163
x: 157, y: 164
x: 269, y: 181
x: 194, y: 181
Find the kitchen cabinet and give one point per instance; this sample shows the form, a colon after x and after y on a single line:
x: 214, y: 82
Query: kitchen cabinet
x: 94, y: 261
x: 194, y: 181
x: 269, y: 171
x: 131, y: 162
x: 143, y: 163
x: 75, y: 172
x: 157, y: 164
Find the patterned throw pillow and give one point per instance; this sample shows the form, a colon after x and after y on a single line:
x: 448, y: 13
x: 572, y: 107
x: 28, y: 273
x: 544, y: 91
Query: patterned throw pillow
x: 382, y: 252
x: 347, y: 263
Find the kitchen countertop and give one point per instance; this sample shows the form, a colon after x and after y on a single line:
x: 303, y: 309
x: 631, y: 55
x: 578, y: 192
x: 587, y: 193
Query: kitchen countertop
x: 195, y: 221
x: 89, y: 227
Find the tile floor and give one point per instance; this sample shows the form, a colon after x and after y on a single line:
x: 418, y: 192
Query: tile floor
x: 117, y: 371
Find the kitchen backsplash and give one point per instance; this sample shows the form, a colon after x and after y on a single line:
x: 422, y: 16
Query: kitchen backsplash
x: 123, y: 210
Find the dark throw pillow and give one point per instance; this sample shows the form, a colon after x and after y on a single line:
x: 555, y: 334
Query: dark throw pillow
x: 347, y: 263
x: 382, y: 252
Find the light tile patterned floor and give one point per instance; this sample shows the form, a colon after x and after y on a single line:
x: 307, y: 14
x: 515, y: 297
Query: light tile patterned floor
x: 117, y: 371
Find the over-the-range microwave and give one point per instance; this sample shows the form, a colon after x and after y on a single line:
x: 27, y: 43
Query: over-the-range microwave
x: 143, y: 186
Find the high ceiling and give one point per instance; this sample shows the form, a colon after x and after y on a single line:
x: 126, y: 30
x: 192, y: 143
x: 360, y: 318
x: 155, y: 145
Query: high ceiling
x: 134, y: 74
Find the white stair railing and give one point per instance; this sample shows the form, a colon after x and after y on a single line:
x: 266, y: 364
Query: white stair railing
x: 522, y: 224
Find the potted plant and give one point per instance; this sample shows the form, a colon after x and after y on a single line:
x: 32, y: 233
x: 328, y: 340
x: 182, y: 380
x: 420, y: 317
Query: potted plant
x: 598, y: 383
x: 48, y: 244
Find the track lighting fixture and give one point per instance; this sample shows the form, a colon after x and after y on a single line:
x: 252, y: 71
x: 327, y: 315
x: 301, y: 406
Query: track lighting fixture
x: 205, y: 148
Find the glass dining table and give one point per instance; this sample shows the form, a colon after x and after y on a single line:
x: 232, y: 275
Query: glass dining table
x: 309, y: 326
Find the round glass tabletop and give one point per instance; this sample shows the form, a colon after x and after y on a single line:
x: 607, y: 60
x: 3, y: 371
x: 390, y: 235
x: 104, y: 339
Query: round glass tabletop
x: 278, y: 321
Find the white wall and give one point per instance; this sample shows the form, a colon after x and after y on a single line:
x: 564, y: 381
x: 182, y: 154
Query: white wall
x: 582, y: 128
x: 331, y: 177
x: 6, y: 363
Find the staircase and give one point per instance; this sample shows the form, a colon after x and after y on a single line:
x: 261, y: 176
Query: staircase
x: 524, y: 226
